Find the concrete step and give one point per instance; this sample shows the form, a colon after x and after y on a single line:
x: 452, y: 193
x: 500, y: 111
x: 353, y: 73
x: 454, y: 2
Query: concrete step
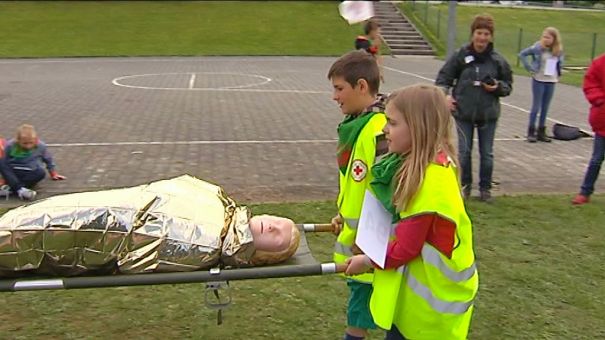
x: 398, y: 33
x: 385, y: 24
x: 401, y: 35
x: 405, y: 42
x: 410, y: 47
x: 412, y: 52
x: 393, y: 21
x: 397, y: 29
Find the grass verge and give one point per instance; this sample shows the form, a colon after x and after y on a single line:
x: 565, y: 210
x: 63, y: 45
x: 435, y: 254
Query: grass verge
x: 152, y: 28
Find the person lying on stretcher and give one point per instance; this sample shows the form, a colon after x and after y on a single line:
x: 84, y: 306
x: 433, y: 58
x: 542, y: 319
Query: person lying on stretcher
x: 181, y: 224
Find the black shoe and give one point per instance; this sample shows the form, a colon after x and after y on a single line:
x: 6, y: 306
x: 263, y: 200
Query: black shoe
x: 466, y: 192
x: 485, y: 196
x: 542, y: 137
x: 531, y: 135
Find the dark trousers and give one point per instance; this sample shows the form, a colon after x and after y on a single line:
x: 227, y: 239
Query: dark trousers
x: 18, y: 177
x: 486, y: 132
x: 394, y: 334
x: 594, y: 166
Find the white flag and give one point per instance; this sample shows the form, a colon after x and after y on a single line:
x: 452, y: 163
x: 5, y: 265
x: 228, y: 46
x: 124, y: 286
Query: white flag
x: 356, y: 11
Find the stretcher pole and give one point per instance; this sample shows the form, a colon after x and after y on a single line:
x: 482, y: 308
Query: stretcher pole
x: 309, y: 227
x: 170, y: 278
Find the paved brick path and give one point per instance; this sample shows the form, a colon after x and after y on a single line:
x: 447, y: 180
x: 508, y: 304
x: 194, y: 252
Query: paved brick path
x: 270, y: 136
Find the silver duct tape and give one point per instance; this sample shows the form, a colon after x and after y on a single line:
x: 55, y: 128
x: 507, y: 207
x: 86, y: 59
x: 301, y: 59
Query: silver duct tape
x: 181, y: 224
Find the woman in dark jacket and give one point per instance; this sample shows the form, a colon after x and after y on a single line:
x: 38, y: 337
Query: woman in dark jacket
x: 479, y: 76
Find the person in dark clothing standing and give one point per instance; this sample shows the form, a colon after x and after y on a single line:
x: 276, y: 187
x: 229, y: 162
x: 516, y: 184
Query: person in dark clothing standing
x: 478, y: 77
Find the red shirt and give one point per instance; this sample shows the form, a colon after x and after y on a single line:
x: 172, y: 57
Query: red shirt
x: 411, y: 234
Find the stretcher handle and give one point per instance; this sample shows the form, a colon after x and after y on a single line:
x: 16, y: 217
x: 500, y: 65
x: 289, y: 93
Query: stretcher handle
x: 310, y: 227
x: 341, y: 267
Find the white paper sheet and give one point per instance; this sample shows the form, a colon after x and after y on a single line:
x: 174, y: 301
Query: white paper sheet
x: 374, y: 229
x: 550, y: 69
x: 356, y: 11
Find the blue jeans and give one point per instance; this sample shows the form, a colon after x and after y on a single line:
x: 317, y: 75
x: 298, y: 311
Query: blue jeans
x: 18, y: 178
x: 486, y: 132
x: 542, y: 93
x: 594, y: 166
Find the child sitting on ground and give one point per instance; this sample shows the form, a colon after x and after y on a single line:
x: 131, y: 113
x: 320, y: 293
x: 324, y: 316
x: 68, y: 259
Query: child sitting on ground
x: 21, y: 165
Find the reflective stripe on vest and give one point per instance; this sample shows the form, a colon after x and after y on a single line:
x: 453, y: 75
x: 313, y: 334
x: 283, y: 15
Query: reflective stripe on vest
x: 437, y: 304
x: 431, y: 255
x: 342, y: 249
x: 352, y: 222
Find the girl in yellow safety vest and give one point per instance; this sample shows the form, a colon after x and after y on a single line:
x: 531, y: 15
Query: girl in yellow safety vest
x: 429, y: 281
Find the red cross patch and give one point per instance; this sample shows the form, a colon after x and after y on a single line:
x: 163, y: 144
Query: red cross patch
x: 359, y: 170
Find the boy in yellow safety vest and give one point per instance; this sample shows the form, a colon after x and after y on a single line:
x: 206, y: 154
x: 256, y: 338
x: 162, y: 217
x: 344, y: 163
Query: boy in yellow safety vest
x: 355, y: 79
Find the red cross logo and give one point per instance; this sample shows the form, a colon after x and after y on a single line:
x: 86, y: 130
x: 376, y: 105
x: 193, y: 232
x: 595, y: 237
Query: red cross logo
x: 358, y: 170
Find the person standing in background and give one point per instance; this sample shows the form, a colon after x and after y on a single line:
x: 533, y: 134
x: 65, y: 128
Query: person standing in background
x: 545, y: 68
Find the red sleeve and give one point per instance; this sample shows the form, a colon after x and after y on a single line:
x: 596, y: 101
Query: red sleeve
x: 593, y: 82
x: 412, y: 233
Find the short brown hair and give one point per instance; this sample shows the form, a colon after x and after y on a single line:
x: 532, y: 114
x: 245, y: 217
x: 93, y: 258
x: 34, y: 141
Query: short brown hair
x: 370, y: 25
x: 357, y: 65
x: 483, y: 21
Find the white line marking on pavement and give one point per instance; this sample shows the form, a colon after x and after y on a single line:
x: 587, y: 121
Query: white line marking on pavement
x: 264, y: 80
x: 199, y: 142
x: 192, y: 81
x: 221, y: 142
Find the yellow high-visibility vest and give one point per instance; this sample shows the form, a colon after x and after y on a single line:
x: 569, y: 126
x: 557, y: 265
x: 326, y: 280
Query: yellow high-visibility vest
x: 353, y: 186
x: 432, y: 296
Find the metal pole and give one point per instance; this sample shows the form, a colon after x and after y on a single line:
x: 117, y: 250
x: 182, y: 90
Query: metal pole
x: 438, y: 22
x: 451, y: 28
x: 426, y: 11
x: 15, y: 285
x: 594, y: 46
x: 519, y: 41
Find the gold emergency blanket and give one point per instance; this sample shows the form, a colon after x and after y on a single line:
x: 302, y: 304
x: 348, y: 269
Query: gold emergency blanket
x: 181, y: 224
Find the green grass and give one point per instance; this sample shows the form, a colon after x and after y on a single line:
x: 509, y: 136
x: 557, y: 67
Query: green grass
x: 541, y: 277
x: 144, y: 28
x: 576, y: 34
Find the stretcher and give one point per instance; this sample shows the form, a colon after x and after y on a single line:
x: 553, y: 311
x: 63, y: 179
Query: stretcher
x: 217, y: 293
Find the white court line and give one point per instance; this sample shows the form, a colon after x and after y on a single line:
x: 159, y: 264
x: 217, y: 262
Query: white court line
x: 222, y: 142
x: 264, y: 80
x: 192, y: 81
x: 503, y: 103
x: 199, y: 142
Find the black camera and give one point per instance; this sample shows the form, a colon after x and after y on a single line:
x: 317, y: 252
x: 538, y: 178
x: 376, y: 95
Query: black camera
x: 488, y: 80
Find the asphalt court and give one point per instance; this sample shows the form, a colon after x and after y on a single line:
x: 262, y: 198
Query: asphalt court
x: 261, y: 127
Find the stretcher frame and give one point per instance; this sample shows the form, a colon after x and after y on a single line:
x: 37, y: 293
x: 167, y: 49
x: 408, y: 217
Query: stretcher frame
x: 214, y: 275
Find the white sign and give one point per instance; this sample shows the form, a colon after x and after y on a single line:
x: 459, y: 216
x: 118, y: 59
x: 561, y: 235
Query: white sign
x: 356, y: 11
x: 550, y: 69
x: 374, y: 229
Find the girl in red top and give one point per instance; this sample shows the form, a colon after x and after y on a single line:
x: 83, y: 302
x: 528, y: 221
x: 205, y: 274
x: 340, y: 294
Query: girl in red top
x: 418, y: 130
